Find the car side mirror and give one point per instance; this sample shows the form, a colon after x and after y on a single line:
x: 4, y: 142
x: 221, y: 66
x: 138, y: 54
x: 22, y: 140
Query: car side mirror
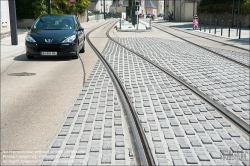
x: 28, y: 28
x: 80, y: 29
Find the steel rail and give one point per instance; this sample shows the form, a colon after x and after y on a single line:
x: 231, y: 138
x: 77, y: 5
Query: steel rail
x: 234, y: 118
x: 137, y: 131
x: 245, y: 65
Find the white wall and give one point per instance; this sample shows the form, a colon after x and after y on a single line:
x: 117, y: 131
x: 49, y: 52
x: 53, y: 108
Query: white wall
x: 4, y: 17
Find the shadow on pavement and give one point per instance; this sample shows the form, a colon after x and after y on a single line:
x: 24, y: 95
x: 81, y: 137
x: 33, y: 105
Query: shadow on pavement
x: 23, y: 57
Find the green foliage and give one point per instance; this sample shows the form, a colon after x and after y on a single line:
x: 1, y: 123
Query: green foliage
x: 223, y: 6
x: 35, y: 8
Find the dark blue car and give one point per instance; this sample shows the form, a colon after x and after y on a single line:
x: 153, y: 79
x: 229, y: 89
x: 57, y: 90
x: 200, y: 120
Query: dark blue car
x: 55, y: 35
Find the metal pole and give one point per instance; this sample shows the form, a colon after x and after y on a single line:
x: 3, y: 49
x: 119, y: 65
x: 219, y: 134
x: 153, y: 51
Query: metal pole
x: 49, y: 6
x: 104, y: 6
x: 240, y: 30
x: 209, y: 25
x: 238, y: 18
x: 180, y: 10
x: 137, y: 17
x: 221, y: 27
x: 193, y: 7
x: 215, y: 26
x: 13, y: 22
x: 233, y: 14
x: 164, y: 10
x: 120, y: 23
x: 229, y: 28
x: 205, y: 25
x: 200, y: 24
x: 174, y: 11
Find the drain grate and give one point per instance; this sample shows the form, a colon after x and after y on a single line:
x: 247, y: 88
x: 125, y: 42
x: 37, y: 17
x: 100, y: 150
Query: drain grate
x: 22, y: 74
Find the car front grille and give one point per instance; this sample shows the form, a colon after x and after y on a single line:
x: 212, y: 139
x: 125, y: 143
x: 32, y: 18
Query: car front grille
x: 49, y: 47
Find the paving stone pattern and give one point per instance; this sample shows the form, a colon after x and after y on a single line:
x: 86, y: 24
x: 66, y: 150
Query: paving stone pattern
x: 94, y: 132
x: 180, y: 127
x: 222, y: 80
x: 240, y: 57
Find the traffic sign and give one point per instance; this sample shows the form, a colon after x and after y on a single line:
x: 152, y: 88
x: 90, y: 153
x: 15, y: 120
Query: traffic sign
x: 72, y: 2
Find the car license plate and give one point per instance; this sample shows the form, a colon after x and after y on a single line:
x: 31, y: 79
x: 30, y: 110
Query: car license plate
x: 48, y: 53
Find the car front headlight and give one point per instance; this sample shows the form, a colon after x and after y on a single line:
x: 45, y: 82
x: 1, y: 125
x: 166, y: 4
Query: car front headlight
x: 69, y: 39
x: 30, y: 39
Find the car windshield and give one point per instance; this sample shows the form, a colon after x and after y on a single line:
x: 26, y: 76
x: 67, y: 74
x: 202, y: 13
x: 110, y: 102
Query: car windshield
x: 54, y: 23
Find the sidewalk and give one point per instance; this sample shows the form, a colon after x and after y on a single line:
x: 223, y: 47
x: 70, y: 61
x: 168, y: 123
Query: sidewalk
x: 244, y: 36
x: 7, y: 49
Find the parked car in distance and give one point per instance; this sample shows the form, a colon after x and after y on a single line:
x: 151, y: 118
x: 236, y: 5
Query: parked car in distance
x: 141, y: 15
x: 89, y: 12
x: 160, y: 15
x: 148, y: 15
x: 55, y: 35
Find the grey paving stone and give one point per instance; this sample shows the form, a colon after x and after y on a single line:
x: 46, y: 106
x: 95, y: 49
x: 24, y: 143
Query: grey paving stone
x: 172, y: 148
x: 81, y: 152
x: 49, y: 158
x: 199, y: 130
x: 215, y: 138
x: 106, y: 159
x: 94, y: 149
x: 224, y: 136
x: 119, y: 156
x: 119, y: 132
x: 66, y: 154
x: 159, y: 151
x: 178, y: 162
x: 107, y: 145
x: 57, y: 144
x: 119, y: 144
x: 156, y: 139
x: 203, y: 157
x: 184, y: 146
x: 189, y: 132
x: 191, y: 160
x: 92, y: 161
x: 215, y: 155
x: 168, y: 136
x: 46, y: 163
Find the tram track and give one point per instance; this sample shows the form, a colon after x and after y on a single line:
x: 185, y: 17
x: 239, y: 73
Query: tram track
x: 245, y: 64
x: 234, y: 118
x: 145, y: 154
x: 146, y: 157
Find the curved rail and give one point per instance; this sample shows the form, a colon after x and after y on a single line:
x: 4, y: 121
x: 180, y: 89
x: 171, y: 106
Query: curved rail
x: 245, y: 65
x: 241, y: 123
x: 138, y: 133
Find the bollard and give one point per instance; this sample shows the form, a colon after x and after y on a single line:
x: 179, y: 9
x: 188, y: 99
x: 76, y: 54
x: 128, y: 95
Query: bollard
x: 221, y: 28
x: 120, y: 23
x: 209, y: 25
x: 205, y: 25
x: 215, y: 26
x: 149, y: 23
x: 229, y: 28
x: 200, y: 24
x: 240, y: 30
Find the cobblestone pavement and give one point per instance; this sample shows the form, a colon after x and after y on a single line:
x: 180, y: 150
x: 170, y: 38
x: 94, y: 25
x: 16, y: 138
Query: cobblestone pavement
x: 181, y: 128
x: 223, y: 80
x: 95, y: 131
x: 240, y: 57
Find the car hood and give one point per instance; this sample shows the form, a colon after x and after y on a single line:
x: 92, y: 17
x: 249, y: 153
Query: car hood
x: 57, y: 35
